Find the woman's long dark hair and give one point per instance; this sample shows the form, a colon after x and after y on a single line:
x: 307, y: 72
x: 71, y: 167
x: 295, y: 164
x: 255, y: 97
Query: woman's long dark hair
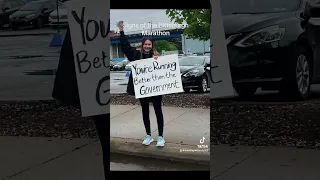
x: 153, y: 51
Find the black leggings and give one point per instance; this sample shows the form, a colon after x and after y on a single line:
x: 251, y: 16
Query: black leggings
x: 156, y: 101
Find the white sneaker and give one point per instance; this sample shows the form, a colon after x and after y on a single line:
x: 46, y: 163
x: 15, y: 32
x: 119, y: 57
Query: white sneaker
x: 161, y: 141
x: 147, y: 140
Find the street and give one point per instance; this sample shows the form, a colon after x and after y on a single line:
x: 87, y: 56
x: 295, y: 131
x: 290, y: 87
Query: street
x: 133, y: 163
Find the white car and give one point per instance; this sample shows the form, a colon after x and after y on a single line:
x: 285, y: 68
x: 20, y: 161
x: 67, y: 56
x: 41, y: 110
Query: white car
x: 128, y: 66
x: 120, y: 66
x: 63, y: 16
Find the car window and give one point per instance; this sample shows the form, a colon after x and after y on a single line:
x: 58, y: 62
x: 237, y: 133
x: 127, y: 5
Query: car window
x: 258, y: 6
x: 48, y: 6
x: 21, y: 2
x: 313, y: 2
x: 63, y: 6
x: 53, y: 4
x: 15, y: 4
x: 7, y: 5
x: 31, y: 6
x: 191, y: 61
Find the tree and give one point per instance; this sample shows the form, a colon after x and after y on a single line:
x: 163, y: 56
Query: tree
x: 164, y: 45
x: 198, y: 21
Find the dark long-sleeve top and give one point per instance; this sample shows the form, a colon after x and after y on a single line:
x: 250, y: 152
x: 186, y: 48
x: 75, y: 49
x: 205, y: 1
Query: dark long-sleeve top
x: 132, y: 54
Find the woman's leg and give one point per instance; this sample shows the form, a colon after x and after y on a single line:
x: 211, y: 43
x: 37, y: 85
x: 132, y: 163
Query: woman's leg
x: 157, y: 104
x: 103, y: 127
x: 146, y: 120
x: 145, y: 114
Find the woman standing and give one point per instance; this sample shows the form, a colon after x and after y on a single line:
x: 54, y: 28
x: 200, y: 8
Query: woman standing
x: 147, y: 51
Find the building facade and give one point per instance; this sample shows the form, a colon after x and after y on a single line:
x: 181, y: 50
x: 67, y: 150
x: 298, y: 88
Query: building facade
x: 190, y: 46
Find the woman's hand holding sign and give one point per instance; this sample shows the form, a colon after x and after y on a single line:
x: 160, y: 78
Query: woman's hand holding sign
x: 155, y: 57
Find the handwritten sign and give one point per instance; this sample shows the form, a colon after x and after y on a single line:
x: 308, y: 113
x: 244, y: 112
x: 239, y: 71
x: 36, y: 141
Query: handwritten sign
x: 156, y: 77
x: 89, y: 28
x: 221, y: 81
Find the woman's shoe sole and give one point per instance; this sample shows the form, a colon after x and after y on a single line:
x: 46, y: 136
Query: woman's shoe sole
x: 148, y: 143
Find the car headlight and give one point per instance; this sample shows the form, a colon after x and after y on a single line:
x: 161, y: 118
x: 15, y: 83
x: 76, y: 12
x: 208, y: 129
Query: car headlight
x: 262, y: 36
x: 30, y: 16
x: 194, y: 72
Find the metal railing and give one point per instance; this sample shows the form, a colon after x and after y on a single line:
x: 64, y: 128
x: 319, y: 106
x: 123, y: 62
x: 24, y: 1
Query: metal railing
x: 153, y: 29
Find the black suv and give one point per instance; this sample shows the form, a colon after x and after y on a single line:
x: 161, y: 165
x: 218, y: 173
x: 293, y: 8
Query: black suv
x: 8, y: 7
x: 273, y: 44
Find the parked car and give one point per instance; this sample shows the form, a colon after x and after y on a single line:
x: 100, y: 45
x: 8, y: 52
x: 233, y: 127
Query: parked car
x: 8, y: 7
x: 112, y: 63
x: 34, y: 13
x: 128, y: 66
x: 195, y: 73
x: 63, y: 17
x: 271, y: 44
x: 120, y: 66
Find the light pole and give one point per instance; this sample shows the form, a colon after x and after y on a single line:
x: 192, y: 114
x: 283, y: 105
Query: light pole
x: 57, y: 40
x: 58, y: 17
x: 150, y: 25
x: 185, y: 44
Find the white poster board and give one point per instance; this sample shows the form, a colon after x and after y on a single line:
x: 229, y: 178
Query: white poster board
x: 156, y: 77
x: 221, y: 81
x: 88, y: 23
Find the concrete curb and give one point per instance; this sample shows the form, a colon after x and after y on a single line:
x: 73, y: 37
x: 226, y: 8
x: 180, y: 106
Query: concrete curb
x: 26, y: 34
x: 170, y: 152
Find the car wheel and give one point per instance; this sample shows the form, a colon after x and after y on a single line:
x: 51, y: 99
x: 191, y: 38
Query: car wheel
x: 245, y: 91
x: 203, y: 87
x: 298, y: 80
x: 39, y: 23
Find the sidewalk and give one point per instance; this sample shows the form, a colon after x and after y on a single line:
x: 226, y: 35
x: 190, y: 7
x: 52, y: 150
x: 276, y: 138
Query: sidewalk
x: 183, y: 129
x: 38, y: 158
x: 26, y: 158
x: 264, y: 163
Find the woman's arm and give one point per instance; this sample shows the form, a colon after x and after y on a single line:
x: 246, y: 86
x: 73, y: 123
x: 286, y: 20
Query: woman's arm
x: 131, y: 53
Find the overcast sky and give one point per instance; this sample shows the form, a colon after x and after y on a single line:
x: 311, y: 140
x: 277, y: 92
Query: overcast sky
x: 137, y: 17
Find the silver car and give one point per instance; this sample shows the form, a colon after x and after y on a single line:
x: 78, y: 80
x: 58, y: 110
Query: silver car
x: 128, y: 67
x: 120, y: 66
